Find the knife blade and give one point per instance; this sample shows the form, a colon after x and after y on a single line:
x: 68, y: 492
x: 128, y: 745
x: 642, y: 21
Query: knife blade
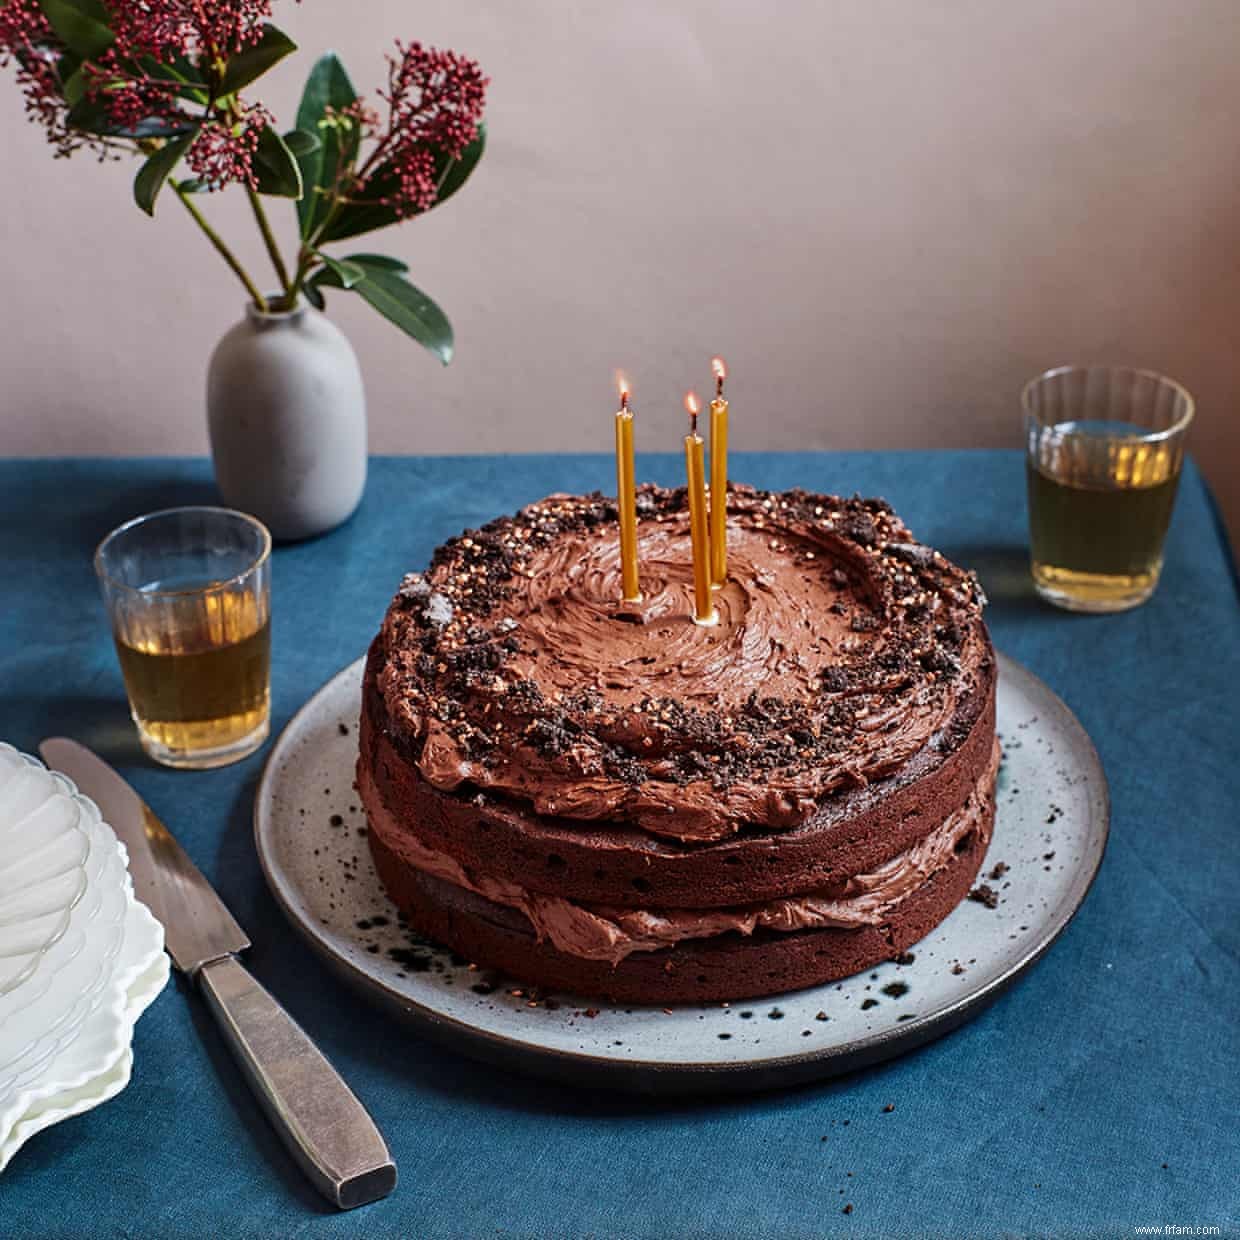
x: 321, y: 1120
x: 198, y: 927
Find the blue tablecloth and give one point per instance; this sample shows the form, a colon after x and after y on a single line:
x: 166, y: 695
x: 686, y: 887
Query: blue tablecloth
x: 1101, y: 1094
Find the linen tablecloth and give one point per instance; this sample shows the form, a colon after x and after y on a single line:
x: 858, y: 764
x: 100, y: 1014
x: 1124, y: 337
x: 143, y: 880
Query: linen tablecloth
x: 1100, y: 1095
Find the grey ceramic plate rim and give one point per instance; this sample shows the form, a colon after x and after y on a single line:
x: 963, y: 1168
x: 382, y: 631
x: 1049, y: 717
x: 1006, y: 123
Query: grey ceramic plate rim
x: 684, y: 1077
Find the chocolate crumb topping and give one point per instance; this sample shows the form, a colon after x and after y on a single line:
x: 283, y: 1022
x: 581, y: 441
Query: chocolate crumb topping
x: 983, y: 893
x: 843, y: 645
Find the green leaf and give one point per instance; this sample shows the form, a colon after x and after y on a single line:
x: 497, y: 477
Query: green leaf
x: 362, y: 218
x: 347, y: 273
x: 68, y: 64
x: 254, y: 61
x: 403, y: 304
x: 74, y: 87
x: 88, y: 115
x: 275, y: 166
x: 302, y: 142
x: 328, y: 86
x: 410, y: 309
x: 76, y: 28
x: 314, y: 295
x: 379, y: 260
x: 357, y: 218
x: 152, y: 175
x: 181, y: 71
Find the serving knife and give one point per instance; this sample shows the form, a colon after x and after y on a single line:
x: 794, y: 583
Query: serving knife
x: 317, y: 1115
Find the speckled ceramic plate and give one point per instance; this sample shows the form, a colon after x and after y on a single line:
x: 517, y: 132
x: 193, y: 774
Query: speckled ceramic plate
x: 1049, y: 836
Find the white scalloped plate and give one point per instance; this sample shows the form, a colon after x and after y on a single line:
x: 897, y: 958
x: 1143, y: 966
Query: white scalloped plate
x: 38, y: 1010
x: 48, y: 1021
x: 66, y: 1030
x: 97, y: 1066
x: 43, y: 854
x: 105, y: 1034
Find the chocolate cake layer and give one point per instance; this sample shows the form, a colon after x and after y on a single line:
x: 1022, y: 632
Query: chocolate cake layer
x: 727, y: 967
x: 853, y: 832
x: 605, y: 931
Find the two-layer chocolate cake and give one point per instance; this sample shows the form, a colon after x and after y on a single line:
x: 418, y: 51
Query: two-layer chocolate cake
x: 612, y: 800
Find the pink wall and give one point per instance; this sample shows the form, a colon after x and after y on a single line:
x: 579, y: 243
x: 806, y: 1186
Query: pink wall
x: 885, y: 214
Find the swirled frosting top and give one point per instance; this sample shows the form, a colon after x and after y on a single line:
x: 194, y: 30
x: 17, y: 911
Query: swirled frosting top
x: 841, y: 648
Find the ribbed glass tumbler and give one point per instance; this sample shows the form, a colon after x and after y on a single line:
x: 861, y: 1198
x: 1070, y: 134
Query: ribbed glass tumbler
x: 188, y: 593
x: 1104, y: 446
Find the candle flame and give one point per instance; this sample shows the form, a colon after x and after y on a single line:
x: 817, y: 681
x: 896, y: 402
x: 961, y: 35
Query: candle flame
x: 622, y: 386
x: 719, y: 368
x: 693, y: 407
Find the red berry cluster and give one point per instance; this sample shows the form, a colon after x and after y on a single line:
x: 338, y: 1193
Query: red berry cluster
x: 223, y: 153
x: 127, y: 81
x: 435, y: 100
x: 193, y: 29
x: 28, y: 42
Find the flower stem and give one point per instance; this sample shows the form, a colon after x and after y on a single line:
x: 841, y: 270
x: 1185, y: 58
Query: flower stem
x: 307, y: 257
x: 277, y: 261
x: 224, y: 252
x: 305, y: 260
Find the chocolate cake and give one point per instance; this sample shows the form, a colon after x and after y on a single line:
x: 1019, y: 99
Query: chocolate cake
x: 610, y: 799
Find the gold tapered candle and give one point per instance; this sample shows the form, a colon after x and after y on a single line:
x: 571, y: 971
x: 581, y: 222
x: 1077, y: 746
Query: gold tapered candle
x: 626, y: 497
x: 718, y: 478
x: 699, y: 533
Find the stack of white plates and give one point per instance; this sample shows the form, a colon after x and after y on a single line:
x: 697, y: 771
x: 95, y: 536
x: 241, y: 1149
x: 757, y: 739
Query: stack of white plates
x: 80, y: 958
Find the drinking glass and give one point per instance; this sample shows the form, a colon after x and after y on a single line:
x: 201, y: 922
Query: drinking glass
x: 188, y: 592
x: 1104, y: 446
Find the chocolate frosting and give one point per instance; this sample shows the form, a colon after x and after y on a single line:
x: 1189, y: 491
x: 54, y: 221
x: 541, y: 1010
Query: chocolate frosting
x: 599, y: 932
x: 841, y: 648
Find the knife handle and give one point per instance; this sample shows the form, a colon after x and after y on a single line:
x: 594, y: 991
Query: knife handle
x: 319, y: 1118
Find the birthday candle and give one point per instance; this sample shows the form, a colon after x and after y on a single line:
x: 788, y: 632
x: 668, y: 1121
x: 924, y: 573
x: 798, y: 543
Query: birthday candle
x: 626, y: 497
x: 718, y: 478
x: 695, y: 470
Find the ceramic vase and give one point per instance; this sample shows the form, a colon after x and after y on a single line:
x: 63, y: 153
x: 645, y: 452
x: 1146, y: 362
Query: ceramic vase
x: 286, y: 412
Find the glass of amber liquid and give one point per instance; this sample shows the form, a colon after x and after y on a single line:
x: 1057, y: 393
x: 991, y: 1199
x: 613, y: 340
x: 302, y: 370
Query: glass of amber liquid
x: 1104, y: 446
x: 188, y: 591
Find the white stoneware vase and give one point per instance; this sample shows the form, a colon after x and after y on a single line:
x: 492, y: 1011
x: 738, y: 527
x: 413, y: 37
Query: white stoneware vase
x: 286, y: 412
